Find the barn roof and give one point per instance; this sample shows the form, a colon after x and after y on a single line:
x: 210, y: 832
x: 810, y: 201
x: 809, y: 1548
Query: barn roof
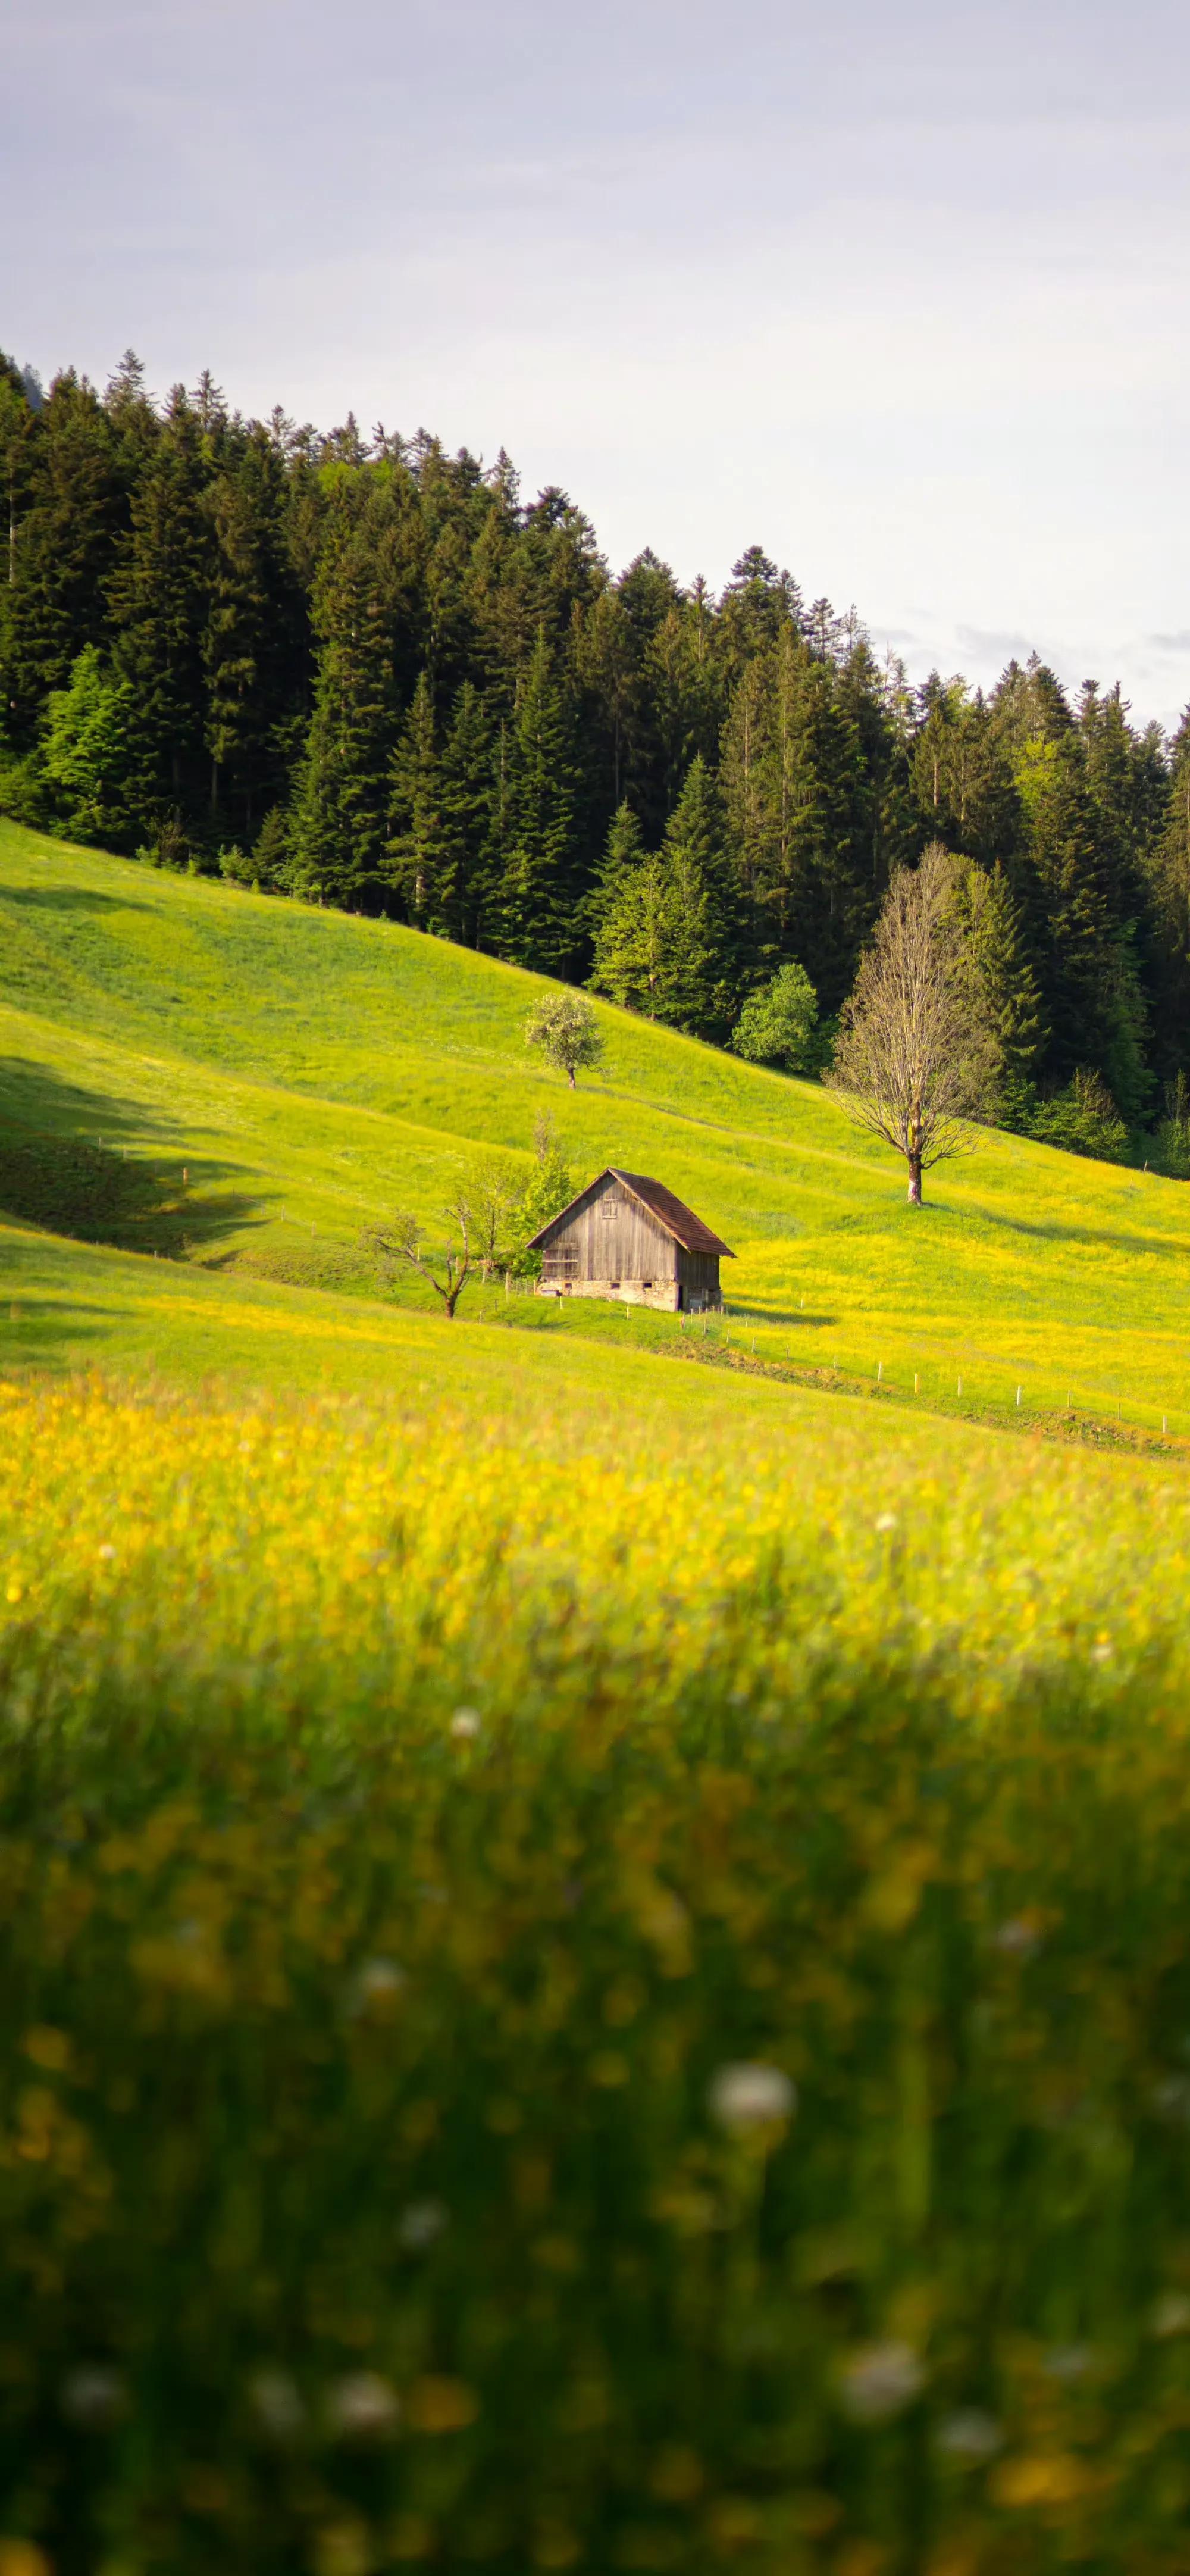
x: 679, y: 1221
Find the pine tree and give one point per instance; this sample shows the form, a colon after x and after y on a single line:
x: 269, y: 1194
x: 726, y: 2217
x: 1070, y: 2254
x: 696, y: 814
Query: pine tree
x: 635, y: 938
x: 1167, y: 870
x: 466, y: 791
x: 538, y: 894
x: 666, y: 941
x: 1089, y: 982
x: 340, y: 828
x: 160, y: 600
x: 960, y: 774
x: 797, y: 803
x: 623, y: 852
x: 688, y: 691
x: 66, y: 518
x: 87, y: 754
x: 254, y: 645
x: 701, y: 980
x: 999, y: 979
x: 420, y: 859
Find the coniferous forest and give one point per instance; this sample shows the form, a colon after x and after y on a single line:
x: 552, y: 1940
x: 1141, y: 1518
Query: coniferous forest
x: 362, y: 672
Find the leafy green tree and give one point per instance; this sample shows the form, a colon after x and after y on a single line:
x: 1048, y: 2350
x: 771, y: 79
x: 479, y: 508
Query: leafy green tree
x: 87, y: 752
x: 549, y: 1189
x: 565, y: 1028
x: 777, y: 1024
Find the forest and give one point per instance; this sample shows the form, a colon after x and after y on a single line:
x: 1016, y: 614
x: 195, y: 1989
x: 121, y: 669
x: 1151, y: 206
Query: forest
x: 363, y: 672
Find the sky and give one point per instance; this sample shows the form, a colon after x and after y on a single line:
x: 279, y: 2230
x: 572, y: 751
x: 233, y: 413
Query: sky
x: 899, y: 294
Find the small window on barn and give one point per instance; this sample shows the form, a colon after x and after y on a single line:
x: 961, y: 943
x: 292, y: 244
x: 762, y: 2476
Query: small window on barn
x: 561, y: 1262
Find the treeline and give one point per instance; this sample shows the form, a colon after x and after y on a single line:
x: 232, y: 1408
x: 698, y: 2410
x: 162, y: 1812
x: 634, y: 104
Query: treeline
x: 366, y: 673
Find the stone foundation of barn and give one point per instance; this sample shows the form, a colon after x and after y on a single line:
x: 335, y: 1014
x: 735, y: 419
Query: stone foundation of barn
x: 668, y: 1294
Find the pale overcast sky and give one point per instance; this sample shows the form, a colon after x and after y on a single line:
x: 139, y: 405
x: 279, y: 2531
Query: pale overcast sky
x: 900, y: 294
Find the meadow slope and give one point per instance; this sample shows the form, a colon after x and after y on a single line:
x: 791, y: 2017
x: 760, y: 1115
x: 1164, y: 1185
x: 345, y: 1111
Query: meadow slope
x: 307, y: 1070
x: 595, y: 1969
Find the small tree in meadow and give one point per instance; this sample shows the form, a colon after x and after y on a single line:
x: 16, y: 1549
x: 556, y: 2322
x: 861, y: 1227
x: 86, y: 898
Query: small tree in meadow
x: 495, y: 1191
x: 549, y: 1188
x: 403, y: 1239
x: 564, y: 1026
x: 776, y: 1025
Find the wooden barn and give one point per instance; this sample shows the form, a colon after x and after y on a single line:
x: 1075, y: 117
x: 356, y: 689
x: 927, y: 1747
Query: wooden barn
x: 630, y: 1238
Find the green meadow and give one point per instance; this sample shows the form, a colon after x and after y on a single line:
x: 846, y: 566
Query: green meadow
x: 306, y: 1071
x: 594, y: 1917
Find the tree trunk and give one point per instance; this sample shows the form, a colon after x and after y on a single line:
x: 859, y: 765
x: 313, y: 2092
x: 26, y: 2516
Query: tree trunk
x: 570, y: 1071
x: 915, y: 1180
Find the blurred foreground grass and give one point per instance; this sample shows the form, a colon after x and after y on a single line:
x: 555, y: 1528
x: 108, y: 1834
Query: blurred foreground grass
x: 573, y: 2001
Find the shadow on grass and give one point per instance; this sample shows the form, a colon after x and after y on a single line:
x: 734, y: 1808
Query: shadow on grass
x: 69, y: 899
x: 786, y: 1319
x: 1172, y: 1247
x: 65, y: 1165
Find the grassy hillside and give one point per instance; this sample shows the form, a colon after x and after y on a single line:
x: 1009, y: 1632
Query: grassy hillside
x: 594, y: 1947
x: 306, y: 1070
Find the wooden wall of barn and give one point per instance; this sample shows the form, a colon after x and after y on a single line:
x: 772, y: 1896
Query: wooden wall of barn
x: 614, y: 1247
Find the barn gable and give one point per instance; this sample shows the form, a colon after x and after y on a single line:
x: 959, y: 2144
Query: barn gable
x: 668, y: 1213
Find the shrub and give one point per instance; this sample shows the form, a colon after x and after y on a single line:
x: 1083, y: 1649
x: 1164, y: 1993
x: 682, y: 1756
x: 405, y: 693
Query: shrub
x: 1083, y: 1119
x: 778, y: 1024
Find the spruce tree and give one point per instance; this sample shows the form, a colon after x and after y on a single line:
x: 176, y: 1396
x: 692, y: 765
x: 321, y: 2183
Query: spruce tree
x: 254, y: 644
x: 538, y: 893
x: 1167, y: 870
x: 340, y: 830
x: 160, y: 597
x: 635, y: 938
x: 796, y: 795
x: 65, y: 523
x: 87, y: 756
x: 1002, y: 987
x: 1089, y: 982
x: 420, y: 859
x: 466, y: 790
x: 960, y: 774
x: 623, y: 852
x: 701, y: 978
x: 666, y: 942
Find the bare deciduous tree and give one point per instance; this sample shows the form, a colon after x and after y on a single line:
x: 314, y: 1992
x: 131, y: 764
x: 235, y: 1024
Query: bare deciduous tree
x: 494, y: 1188
x: 402, y: 1239
x: 913, y: 1053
